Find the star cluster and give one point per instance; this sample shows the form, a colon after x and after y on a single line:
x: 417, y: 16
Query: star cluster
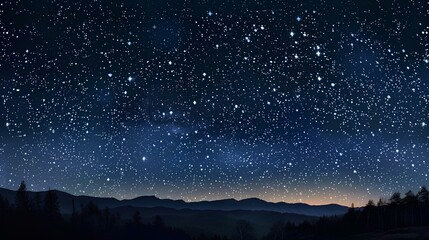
x: 312, y: 101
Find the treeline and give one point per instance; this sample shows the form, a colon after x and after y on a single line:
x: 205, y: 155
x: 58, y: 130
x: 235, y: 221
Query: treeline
x: 41, y: 219
x: 412, y: 210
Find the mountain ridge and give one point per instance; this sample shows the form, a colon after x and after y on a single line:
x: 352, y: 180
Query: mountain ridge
x: 230, y: 204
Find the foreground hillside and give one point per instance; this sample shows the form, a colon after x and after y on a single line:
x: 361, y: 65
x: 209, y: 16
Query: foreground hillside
x: 213, y: 222
x: 38, y: 215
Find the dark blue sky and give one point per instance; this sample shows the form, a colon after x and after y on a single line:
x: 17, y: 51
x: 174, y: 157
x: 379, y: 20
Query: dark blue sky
x: 313, y: 101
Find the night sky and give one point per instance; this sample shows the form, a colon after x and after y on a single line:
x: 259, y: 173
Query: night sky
x: 297, y: 101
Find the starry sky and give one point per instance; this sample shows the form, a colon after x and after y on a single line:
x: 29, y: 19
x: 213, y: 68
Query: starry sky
x: 298, y: 101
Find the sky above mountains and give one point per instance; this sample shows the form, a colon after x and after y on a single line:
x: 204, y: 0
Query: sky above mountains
x: 297, y: 101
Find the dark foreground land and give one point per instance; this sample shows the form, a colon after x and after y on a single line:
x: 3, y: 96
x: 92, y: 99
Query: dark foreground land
x: 39, y: 216
x: 400, y: 233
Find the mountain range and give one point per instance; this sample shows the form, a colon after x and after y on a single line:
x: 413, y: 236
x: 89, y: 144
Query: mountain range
x: 249, y: 204
x: 204, y: 217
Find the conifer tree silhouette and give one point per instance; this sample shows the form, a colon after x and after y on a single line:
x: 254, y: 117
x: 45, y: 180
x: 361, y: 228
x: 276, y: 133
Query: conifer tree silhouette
x: 22, y: 201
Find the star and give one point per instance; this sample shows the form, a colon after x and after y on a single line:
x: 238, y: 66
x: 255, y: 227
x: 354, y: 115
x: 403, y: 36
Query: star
x: 143, y: 97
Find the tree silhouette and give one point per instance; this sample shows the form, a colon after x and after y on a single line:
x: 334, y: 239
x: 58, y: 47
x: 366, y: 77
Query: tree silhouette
x: 52, y: 207
x: 244, y: 230
x: 395, y: 199
x: 410, y: 198
x: 370, y: 203
x: 277, y: 231
x: 423, y: 195
x: 350, y: 218
x: 22, y: 200
x: 381, y: 202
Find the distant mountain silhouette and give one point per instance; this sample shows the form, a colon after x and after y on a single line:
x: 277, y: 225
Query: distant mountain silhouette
x: 252, y: 204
